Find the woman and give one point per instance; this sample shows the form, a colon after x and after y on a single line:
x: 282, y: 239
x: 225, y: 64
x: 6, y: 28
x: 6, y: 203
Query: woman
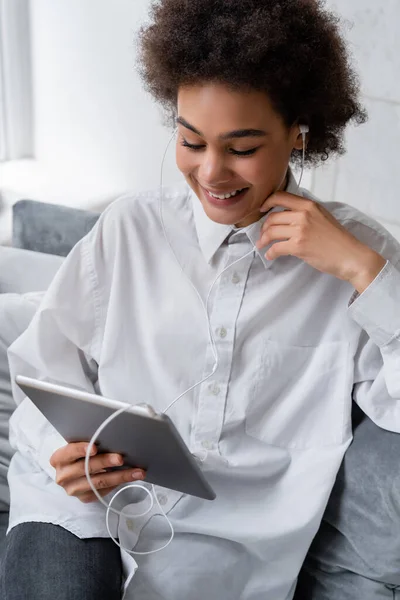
x: 304, y: 321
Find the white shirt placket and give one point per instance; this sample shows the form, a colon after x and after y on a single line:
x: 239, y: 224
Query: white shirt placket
x: 224, y: 310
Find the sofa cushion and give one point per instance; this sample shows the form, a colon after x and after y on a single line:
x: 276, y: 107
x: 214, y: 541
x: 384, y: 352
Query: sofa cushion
x: 16, y: 312
x: 49, y: 228
x: 23, y: 271
x: 23, y: 276
x: 360, y: 533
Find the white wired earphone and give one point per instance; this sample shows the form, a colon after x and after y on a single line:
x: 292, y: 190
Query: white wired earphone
x: 304, y: 129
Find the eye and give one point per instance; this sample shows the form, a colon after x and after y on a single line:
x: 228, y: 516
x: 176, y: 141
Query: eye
x: 191, y: 146
x: 196, y: 147
x: 244, y: 153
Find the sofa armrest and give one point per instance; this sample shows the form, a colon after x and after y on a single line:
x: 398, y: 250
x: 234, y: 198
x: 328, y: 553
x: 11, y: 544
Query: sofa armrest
x: 24, y: 271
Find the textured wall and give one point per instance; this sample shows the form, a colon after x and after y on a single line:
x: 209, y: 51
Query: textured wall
x: 367, y: 176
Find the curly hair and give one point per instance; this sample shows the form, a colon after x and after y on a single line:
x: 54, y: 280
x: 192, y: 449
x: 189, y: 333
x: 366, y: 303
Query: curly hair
x: 292, y: 50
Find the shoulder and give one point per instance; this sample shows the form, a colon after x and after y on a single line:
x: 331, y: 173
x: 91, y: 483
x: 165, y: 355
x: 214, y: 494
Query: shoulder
x: 143, y: 207
x: 363, y: 227
x: 132, y: 223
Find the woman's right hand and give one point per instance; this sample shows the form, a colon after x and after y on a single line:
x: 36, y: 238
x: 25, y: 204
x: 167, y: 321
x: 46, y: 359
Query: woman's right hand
x: 69, y: 463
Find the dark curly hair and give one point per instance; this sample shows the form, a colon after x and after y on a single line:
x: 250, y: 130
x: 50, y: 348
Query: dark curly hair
x: 291, y: 49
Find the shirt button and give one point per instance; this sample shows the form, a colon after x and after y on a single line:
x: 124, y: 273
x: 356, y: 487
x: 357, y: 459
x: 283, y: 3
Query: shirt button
x: 130, y: 524
x: 222, y: 332
x: 214, y: 389
x: 162, y: 498
x: 235, y: 278
x: 207, y: 444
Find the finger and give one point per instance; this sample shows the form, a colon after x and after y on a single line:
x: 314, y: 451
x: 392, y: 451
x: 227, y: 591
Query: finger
x: 285, y: 217
x: 280, y: 249
x: 69, y: 453
x: 274, y: 233
x: 103, y: 480
x: 96, y: 465
x: 88, y: 497
x: 286, y: 200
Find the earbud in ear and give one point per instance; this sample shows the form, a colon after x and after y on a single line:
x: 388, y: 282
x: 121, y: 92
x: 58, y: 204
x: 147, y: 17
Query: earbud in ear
x: 304, y: 129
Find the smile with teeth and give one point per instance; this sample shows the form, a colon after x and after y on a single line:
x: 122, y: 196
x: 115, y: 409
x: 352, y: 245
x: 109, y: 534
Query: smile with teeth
x: 226, y: 196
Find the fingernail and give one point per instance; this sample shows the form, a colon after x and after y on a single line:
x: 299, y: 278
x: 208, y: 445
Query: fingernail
x: 115, y: 460
x: 138, y: 475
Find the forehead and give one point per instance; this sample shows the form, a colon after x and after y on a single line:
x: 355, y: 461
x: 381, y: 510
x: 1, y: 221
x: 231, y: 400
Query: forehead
x: 216, y: 107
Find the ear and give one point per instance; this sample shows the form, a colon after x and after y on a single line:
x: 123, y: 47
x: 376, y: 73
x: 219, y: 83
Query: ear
x: 298, y: 143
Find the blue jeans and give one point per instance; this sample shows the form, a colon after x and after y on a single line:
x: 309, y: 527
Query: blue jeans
x: 3, y: 529
x: 43, y: 562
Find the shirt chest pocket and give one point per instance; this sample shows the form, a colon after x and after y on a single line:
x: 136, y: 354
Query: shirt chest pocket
x: 302, y: 395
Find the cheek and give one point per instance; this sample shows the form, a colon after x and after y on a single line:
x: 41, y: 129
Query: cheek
x: 268, y: 167
x: 256, y: 171
x: 251, y: 171
x: 185, y: 161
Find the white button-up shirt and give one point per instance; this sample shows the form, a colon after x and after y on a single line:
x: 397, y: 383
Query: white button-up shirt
x: 270, y: 427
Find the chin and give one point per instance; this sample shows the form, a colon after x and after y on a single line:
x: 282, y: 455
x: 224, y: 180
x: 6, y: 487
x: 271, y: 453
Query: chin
x: 224, y: 217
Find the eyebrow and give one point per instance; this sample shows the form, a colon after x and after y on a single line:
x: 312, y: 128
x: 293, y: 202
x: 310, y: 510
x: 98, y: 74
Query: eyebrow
x: 237, y: 134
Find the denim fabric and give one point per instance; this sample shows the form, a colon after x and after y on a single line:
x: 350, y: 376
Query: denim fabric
x: 43, y: 562
x: 3, y: 529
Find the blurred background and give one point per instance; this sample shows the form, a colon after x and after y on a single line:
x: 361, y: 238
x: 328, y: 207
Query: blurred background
x: 77, y: 129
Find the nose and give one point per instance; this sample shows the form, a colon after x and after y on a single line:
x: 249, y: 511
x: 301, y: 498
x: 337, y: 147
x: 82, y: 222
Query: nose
x: 213, y: 169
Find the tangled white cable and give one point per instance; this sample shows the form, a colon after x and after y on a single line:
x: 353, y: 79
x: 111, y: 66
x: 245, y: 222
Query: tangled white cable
x: 115, y: 415
x: 109, y: 507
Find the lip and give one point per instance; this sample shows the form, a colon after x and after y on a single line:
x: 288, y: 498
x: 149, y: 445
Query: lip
x: 226, y: 202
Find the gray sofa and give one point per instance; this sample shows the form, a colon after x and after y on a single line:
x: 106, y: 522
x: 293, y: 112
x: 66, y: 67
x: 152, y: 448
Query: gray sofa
x: 357, y: 549
x: 22, y: 275
x: 42, y: 235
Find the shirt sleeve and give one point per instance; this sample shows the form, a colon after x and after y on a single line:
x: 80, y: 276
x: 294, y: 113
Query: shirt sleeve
x: 61, y: 345
x: 377, y: 363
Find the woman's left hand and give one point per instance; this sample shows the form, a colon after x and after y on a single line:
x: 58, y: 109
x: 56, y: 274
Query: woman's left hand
x: 312, y: 234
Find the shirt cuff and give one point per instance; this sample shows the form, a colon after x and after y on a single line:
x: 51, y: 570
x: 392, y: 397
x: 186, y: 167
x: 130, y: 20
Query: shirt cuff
x: 377, y: 309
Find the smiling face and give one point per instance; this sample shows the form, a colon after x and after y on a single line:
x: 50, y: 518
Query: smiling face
x: 232, y: 142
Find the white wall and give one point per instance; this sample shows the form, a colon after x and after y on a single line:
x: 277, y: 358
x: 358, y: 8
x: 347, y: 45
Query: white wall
x: 367, y: 177
x: 91, y: 113
x: 97, y: 134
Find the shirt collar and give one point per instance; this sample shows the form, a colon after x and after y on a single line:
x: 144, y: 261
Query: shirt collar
x: 211, y: 235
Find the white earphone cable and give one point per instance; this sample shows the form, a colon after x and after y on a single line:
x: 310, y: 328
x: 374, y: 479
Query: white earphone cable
x: 101, y: 428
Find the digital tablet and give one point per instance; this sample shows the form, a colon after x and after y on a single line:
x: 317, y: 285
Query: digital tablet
x: 145, y: 439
